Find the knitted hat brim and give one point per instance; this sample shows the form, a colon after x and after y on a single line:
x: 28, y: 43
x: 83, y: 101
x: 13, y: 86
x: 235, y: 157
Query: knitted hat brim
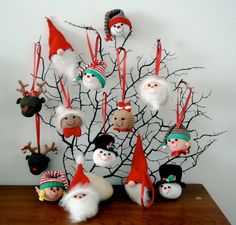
x: 119, y: 19
x: 178, y: 136
x: 51, y: 184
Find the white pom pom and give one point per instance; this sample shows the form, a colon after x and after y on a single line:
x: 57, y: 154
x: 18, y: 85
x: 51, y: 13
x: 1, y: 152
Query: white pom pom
x: 79, y: 158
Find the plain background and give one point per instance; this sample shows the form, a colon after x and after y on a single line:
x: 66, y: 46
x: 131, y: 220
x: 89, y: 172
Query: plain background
x: 202, y: 33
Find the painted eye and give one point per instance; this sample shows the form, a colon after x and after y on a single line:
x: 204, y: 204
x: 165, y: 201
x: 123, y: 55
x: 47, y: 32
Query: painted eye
x: 114, y: 25
x: 115, y: 118
x: 161, y: 185
x: 100, y: 151
x: 84, y: 195
x: 123, y: 118
x: 149, y: 85
x: 74, y: 117
x: 156, y: 85
x: 169, y: 187
x: 121, y: 24
x: 58, y: 189
x: 168, y: 140
x: 51, y: 189
x: 65, y: 118
x: 176, y: 139
x: 109, y: 153
x: 75, y: 196
x: 93, y: 76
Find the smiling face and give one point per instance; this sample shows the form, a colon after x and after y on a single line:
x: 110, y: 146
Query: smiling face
x: 71, y: 121
x: 104, y: 158
x: 177, y: 144
x: 91, y: 82
x: 170, y: 190
x: 53, y: 193
x: 119, y: 29
x: 123, y: 119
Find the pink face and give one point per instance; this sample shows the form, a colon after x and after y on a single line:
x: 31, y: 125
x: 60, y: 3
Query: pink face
x: 53, y: 194
x: 71, y: 121
x: 177, y: 144
x: 152, y: 86
x: 80, y: 196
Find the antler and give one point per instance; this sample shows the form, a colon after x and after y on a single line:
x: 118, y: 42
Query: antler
x: 22, y: 90
x: 28, y: 147
x: 40, y: 89
x: 53, y: 148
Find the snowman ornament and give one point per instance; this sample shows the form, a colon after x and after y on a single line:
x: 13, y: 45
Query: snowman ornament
x: 104, y: 154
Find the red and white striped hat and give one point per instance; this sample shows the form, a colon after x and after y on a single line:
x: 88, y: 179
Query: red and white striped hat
x: 53, y: 179
x: 124, y: 106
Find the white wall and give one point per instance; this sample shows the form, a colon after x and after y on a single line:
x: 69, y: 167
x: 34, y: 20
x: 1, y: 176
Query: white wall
x: 201, y: 32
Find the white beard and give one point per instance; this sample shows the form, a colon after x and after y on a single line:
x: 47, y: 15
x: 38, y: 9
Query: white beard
x: 155, y: 97
x: 100, y: 160
x: 170, y: 190
x: 81, y: 209
x: 66, y: 63
x: 93, y: 84
x: 135, y: 194
x: 119, y: 32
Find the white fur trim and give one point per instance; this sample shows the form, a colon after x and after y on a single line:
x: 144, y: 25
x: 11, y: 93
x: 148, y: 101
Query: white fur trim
x: 79, y: 158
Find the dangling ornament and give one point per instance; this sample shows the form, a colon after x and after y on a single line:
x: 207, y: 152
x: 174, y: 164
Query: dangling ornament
x: 104, y: 154
x: 37, y: 161
x: 178, y: 137
x: 116, y: 24
x: 61, y: 53
x: 69, y: 120
x: 138, y: 184
x: 93, y: 74
x: 155, y: 91
x: 31, y: 104
x: 123, y: 119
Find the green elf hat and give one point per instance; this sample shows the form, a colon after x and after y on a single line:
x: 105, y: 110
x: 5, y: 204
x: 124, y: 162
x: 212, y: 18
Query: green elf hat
x: 176, y: 133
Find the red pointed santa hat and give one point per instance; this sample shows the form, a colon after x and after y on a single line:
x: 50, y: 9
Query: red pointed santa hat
x: 56, y: 40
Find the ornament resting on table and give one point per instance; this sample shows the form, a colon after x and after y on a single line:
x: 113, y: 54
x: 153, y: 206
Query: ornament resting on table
x: 61, y: 53
x: 138, y: 184
x: 37, y: 161
x: 154, y: 91
x: 116, y: 24
x: 82, y: 199
x: 170, y: 185
x: 53, y: 185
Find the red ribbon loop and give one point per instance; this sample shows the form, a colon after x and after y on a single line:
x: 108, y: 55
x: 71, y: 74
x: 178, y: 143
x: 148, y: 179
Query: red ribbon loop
x: 158, y: 57
x: 65, y: 94
x: 122, y: 77
x: 37, y: 123
x: 37, y: 56
x: 104, y: 110
x: 180, y: 115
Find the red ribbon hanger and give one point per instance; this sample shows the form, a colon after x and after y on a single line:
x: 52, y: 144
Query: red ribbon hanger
x: 104, y: 111
x: 158, y: 57
x: 122, y: 77
x: 65, y: 94
x: 180, y: 115
x: 37, y: 124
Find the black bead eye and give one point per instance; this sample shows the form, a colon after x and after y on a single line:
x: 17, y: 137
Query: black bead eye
x: 168, y: 140
x: 121, y: 24
x: 58, y: 189
x: 75, y: 196
x: 114, y: 25
x: 123, y: 118
x: 169, y: 187
x: 162, y: 185
x: 156, y: 85
x: 109, y: 153
x: 115, y: 118
x: 84, y: 195
x: 149, y: 85
x: 93, y: 76
x: 176, y: 139
x: 51, y: 189
x: 65, y: 118
x: 74, y: 117
x: 100, y: 151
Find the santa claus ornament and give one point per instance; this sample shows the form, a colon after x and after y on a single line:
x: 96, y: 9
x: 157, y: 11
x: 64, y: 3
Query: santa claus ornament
x: 116, y: 24
x: 178, y: 137
x: 30, y: 103
x: 170, y: 185
x: 93, y: 74
x: 138, y: 184
x: 53, y: 185
x: 82, y: 199
x: 123, y: 119
x: 61, y: 53
x: 153, y: 90
x: 68, y: 120
x: 104, y: 154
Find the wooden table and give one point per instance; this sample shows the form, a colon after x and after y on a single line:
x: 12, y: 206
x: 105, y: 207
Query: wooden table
x: 20, y: 205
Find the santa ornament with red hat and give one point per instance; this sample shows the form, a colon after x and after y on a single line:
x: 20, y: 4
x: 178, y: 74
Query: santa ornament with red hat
x: 116, y: 24
x: 82, y: 199
x: 61, y: 53
x: 138, y: 184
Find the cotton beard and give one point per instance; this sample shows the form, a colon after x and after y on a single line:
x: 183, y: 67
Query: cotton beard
x: 65, y: 63
x: 154, y: 92
x: 91, y: 83
x: 135, y: 194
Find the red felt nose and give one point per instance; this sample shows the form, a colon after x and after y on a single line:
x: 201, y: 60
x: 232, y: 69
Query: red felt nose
x: 118, y: 27
x: 165, y: 188
x: 25, y: 109
x: 172, y: 142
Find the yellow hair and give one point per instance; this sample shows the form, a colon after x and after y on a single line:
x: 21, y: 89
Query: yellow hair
x: 41, y: 194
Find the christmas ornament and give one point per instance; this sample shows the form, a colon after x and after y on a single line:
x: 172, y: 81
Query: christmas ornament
x: 170, y: 185
x: 116, y: 24
x: 69, y: 120
x: 61, y: 53
x: 104, y: 152
x: 177, y: 137
x: 31, y: 104
x: 82, y: 199
x: 93, y: 74
x: 155, y: 91
x: 123, y: 119
x: 138, y: 183
x: 53, y: 184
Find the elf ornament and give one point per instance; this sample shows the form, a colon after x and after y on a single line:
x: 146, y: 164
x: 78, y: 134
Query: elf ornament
x: 69, y: 120
x: 53, y: 185
x: 61, y: 53
x: 138, y: 184
x: 116, y: 24
x: 155, y: 91
x: 123, y: 119
x: 31, y: 104
x: 170, y: 185
x: 104, y: 154
x: 178, y: 137
x: 82, y: 199
x: 93, y: 74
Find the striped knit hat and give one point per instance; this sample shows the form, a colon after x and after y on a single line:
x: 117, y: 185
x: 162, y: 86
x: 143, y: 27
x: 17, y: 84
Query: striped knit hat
x: 97, y: 70
x: 176, y: 133
x: 112, y: 17
x: 53, y: 179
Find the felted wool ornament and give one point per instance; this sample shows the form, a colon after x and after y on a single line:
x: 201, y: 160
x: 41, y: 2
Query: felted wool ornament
x: 170, y: 185
x: 116, y: 24
x: 154, y: 91
x: 138, y: 184
x: 53, y: 184
x: 82, y: 199
x: 61, y: 52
